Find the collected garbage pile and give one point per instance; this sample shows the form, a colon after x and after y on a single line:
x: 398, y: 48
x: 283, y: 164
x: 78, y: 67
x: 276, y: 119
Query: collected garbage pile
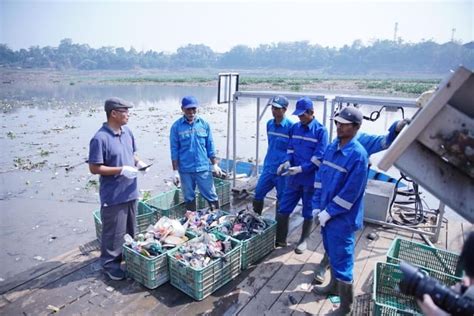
x: 165, y: 234
x: 244, y: 225
x: 200, y: 251
x: 203, y: 220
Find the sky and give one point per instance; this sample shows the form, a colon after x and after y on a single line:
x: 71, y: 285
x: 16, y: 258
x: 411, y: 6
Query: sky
x: 167, y: 25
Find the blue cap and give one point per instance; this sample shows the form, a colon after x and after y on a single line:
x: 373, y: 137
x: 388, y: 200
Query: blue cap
x: 189, y: 102
x: 302, y: 105
x: 278, y: 101
x: 349, y: 115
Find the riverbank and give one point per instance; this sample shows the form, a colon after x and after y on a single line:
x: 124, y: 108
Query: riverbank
x: 377, y: 84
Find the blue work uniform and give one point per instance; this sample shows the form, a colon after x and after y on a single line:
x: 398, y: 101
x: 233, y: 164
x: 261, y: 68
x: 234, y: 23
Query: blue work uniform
x: 339, y: 189
x: 306, y: 148
x: 118, y: 194
x: 278, y: 138
x: 373, y: 144
x: 192, y: 146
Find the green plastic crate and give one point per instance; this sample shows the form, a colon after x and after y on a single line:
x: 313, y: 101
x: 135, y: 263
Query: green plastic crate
x: 200, y: 283
x: 388, y: 300
x: 424, y: 256
x: 222, y: 190
x: 258, y: 246
x: 146, y: 216
x: 151, y: 272
x: 170, y: 204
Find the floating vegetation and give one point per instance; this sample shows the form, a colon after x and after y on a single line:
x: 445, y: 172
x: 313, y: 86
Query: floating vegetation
x: 92, y: 184
x: 11, y: 135
x: 27, y: 164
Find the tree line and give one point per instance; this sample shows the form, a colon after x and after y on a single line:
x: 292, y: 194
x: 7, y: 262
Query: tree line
x: 381, y: 56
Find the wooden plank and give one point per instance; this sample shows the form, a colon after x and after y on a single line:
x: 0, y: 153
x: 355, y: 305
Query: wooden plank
x: 56, y: 263
x: 62, y: 265
x: 291, y: 264
x: 455, y: 238
x: 301, y: 284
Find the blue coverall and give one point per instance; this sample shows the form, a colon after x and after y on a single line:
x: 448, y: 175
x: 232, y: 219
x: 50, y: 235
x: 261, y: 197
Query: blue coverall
x: 339, y: 189
x: 278, y: 139
x: 306, y: 148
x: 373, y: 144
x: 192, y: 146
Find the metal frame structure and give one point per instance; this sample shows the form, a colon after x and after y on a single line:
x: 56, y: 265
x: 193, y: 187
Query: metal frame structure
x: 339, y: 100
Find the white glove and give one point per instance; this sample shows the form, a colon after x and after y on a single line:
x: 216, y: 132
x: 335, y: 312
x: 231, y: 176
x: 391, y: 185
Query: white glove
x: 283, y: 167
x: 140, y: 165
x: 176, y: 178
x: 129, y: 172
x: 292, y: 171
x: 401, y: 124
x: 316, y: 211
x: 323, y: 218
x: 216, y: 170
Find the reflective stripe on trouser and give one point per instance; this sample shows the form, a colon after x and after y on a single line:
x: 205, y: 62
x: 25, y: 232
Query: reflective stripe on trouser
x: 117, y: 220
x: 339, y: 244
x: 292, y: 195
x: 266, y: 182
x: 204, y: 182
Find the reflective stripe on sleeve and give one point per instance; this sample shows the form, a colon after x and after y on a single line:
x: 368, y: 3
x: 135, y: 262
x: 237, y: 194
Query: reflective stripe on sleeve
x: 342, y: 203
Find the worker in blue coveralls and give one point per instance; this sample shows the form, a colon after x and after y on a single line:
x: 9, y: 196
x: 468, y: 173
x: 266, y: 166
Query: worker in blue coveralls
x: 112, y: 155
x: 278, y: 130
x: 372, y: 144
x: 338, y: 202
x: 192, y: 148
x: 308, y: 141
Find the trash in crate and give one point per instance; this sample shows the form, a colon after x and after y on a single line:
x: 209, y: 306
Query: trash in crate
x: 203, y: 220
x: 244, y: 225
x: 201, y: 251
x: 166, y: 233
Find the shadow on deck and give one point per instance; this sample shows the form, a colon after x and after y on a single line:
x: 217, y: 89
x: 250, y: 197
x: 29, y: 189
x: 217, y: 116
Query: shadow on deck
x: 280, y: 284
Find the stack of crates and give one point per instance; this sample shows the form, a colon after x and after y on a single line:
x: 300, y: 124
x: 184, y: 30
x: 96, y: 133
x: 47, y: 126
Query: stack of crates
x: 146, y: 216
x: 222, y: 190
x: 388, y: 300
x: 151, y: 272
x: 170, y: 204
x: 258, y: 246
x: 200, y: 283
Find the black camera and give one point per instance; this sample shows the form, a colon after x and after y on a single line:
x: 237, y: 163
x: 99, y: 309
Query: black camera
x: 416, y: 282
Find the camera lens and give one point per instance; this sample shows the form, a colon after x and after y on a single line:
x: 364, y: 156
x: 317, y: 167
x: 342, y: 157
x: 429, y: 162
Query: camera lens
x: 416, y: 282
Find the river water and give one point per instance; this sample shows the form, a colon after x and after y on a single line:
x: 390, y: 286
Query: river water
x: 46, y: 210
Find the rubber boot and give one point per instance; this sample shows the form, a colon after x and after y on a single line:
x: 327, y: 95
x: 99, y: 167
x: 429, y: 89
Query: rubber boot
x: 346, y: 294
x: 305, y: 231
x: 320, y: 271
x: 214, y: 205
x: 331, y: 288
x: 277, y: 209
x: 282, y: 229
x: 191, y: 205
x: 258, y: 206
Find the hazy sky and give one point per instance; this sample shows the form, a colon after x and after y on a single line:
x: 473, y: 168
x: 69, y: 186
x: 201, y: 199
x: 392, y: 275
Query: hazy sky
x: 167, y: 25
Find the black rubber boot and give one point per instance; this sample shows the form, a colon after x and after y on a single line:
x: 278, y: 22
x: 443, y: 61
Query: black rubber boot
x: 258, y: 206
x: 214, y: 205
x: 277, y: 209
x: 282, y: 229
x: 191, y: 205
x: 320, y: 272
x: 346, y: 294
x: 331, y: 288
x: 305, y: 231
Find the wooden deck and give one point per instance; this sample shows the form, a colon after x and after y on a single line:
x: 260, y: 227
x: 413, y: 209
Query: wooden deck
x: 280, y: 284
